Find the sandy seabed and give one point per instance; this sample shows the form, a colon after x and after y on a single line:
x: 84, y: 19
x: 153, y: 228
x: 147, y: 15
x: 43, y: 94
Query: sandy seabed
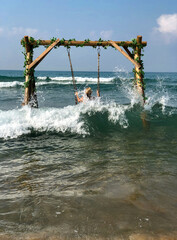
x: 134, y: 236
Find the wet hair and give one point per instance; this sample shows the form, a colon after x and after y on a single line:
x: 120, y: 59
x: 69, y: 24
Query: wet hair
x: 88, y: 90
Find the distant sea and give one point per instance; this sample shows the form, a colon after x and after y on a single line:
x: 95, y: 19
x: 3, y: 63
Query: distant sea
x: 92, y: 170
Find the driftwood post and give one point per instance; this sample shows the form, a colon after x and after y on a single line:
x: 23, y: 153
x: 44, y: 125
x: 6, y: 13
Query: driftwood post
x: 138, y: 75
x: 30, y: 96
x: 28, y: 48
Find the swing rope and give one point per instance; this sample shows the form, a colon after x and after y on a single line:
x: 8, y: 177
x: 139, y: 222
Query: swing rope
x: 98, y: 83
x: 72, y: 72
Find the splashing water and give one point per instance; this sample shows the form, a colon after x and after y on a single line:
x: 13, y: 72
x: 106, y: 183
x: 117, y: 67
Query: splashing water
x: 14, y: 123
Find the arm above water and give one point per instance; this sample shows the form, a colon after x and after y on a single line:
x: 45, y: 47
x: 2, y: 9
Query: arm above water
x: 98, y: 93
x: 78, y: 98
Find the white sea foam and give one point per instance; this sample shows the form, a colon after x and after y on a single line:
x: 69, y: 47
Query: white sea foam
x: 58, y: 80
x: 14, y: 123
x: 41, y: 78
x: 10, y: 84
x: 158, y: 95
x: 120, y: 69
x: 66, y: 80
x: 42, y: 83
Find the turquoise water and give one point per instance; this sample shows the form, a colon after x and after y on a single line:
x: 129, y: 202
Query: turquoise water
x: 92, y: 169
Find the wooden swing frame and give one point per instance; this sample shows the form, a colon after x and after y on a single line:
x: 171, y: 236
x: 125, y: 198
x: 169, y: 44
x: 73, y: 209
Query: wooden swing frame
x: 31, y: 65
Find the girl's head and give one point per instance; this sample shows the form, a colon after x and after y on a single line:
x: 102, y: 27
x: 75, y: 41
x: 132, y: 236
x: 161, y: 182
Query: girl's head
x: 88, y: 91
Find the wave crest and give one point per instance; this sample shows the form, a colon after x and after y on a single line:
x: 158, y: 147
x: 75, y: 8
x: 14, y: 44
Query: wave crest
x: 72, y: 119
x: 10, y: 84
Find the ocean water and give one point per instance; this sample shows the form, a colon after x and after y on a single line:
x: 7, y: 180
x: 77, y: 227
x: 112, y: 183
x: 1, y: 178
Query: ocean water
x: 103, y: 169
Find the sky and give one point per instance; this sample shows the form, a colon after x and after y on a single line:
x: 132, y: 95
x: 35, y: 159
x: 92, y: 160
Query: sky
x: 155, y: 20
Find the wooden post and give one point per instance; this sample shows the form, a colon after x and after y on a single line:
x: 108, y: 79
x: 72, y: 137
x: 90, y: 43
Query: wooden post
x: 28, y: 48
x: 29, y: 78
x: 33, y: 97
x: 138, y: 75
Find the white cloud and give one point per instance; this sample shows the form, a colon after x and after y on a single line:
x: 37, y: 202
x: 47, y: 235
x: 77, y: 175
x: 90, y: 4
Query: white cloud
x: 22, y: 31
x: 18, y: 31
x: 106, y: 34
x: 167, y: 24
x: 167, y: 27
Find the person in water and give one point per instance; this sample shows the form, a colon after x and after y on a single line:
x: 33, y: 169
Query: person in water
x: 88, y: 92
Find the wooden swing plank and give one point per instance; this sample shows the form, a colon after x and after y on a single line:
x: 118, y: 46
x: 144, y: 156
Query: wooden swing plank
x: 125, y: 54
x: 43, y: 55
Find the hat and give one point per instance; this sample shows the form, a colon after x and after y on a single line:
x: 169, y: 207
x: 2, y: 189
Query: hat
x: 88, y: 90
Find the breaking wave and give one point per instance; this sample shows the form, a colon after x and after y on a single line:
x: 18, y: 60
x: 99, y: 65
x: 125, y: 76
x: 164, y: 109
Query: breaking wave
x: 83, y: 119
x: 82, y: 79
x: 98, y: 116
x: 44, y: 80
x: 73, y: 119
x: 10, y: 84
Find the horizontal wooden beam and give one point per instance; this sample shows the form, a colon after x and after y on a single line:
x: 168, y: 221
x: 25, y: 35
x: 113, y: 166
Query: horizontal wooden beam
x: 42, y: 56
x: 90, y: 43
x: 125, y: 54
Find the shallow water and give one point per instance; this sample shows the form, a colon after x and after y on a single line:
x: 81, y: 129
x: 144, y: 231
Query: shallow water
x: 91, y: 170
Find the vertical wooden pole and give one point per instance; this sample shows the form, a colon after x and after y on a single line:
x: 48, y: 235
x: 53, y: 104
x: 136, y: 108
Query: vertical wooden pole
x: 28, y: 48
x: 33, y: 97
x: 138, y: 75
x: 30, y: 96
x: 139, y: 78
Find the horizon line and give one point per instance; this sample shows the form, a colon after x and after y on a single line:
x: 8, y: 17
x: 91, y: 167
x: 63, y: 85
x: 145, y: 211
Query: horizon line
x: 87, y: 71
